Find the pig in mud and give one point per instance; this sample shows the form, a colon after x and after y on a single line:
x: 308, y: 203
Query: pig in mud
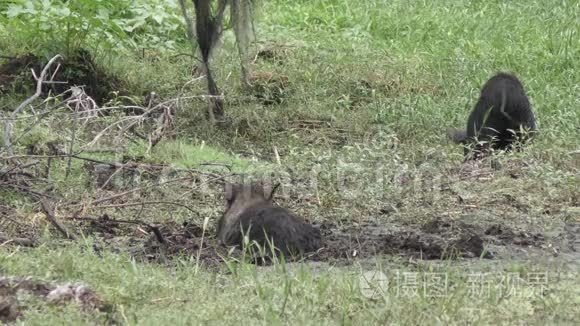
x: 502, y: 116
x: 250, y: 212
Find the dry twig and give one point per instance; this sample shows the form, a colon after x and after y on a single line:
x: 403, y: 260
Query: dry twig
x: 49, y: 212
x: 24, y: 242
x: 39, y: 82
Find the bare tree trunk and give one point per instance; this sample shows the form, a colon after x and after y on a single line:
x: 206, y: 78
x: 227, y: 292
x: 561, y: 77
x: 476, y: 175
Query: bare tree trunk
x: 190, y: 30
x: 241, y: 14
x: 215, y: 110
x: 208, y: 29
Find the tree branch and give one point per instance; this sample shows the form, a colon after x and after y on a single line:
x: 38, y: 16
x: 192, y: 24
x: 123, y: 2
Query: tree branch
x: 49, y: 212
x: 8, y: 124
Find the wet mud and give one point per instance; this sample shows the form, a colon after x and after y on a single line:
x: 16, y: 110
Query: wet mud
x: 438, y: 239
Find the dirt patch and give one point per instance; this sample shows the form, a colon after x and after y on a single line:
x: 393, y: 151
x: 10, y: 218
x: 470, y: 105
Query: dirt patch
x: 369, y: 240
x: 102, y: 226
x: 505, y: 236
x: 436, y: 239
x: 168, y: 240
x: 77, y: 69
x: 57, y: 294
x: 187, y: 239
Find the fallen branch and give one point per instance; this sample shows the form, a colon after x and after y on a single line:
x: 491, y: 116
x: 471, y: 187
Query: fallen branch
x: 25, y: 189
x: 152, y: 228
x: 8, y: 125
x: 3, y: 173
x: 130, y: 165
x: 158, y: 202
x: 158, y: 234
x: 49, y: 212
x: 24, y: 242
x: 115, y: 196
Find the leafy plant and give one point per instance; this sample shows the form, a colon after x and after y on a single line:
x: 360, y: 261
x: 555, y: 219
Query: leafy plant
x: 154, y: 23
x: 57, y: 25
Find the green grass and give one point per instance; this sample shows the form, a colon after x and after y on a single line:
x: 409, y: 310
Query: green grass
x: 185, y: 155
x: 145, y: 294
x: 397, y: 71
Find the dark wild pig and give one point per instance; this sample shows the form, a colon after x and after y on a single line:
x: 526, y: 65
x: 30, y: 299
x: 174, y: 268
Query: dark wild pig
x: 250, y: 211
x: 502, y: 116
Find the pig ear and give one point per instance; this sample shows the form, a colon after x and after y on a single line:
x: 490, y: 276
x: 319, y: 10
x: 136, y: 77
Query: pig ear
x: 271, y: 191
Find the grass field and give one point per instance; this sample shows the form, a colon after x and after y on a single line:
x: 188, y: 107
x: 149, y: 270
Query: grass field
x: 372, y: 88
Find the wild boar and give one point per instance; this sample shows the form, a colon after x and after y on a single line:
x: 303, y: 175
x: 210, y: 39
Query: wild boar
x: 251, y: 212
x: 502, y: 116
